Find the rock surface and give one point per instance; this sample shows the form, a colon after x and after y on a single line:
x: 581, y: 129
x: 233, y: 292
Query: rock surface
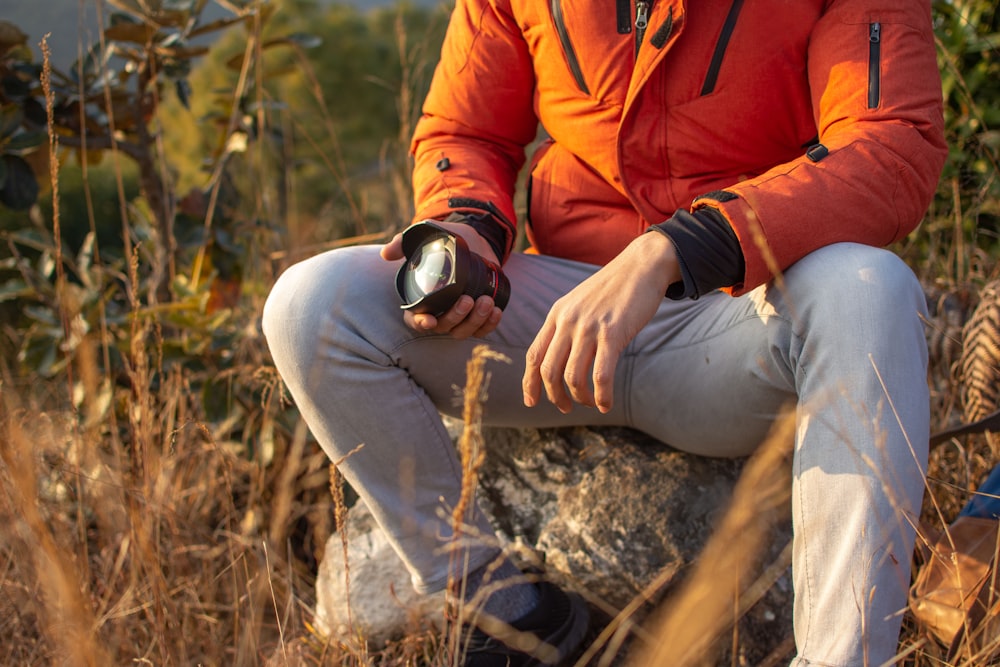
x: 610, y: 509
x: 373, y: 600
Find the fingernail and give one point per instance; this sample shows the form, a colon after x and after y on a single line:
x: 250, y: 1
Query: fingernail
x: 463, y: 306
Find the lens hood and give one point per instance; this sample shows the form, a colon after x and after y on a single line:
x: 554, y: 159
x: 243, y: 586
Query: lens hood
x: 439, y: 268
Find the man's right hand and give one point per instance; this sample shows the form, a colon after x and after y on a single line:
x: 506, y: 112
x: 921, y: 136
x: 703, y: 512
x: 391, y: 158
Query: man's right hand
x: 468, y: 317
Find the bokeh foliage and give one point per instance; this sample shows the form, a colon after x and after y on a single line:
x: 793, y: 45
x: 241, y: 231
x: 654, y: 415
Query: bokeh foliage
x: 961, y: 234
x: 208, y: 153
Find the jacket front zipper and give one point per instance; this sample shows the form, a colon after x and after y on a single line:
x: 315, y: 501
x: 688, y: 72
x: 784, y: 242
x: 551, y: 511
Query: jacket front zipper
x: 874, y: 64
x: 642, y: 8
x: 555, y: 6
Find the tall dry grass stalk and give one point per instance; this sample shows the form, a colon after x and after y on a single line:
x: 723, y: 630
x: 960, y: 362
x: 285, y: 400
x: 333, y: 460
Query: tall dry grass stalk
x: 472, y: 454
x: 720, y: 589
x: 37, y: 551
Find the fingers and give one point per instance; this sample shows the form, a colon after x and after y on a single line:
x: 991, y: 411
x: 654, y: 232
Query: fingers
x: 552, y: 369
x: 577, y: 372
x: 572, y: 364
x: 466, y: 319
x: 605, y: 365
x: 561, y: 365
x: 480, y: 317
x: 531, y: 382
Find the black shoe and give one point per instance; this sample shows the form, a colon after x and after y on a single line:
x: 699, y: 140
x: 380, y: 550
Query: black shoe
x: 547, y: 635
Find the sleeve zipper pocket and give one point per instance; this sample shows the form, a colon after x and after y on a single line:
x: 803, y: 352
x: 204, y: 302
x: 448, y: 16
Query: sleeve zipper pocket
x: 874, y: 64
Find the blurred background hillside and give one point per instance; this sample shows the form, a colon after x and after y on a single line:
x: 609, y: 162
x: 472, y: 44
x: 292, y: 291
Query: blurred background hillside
x: 72, y: 23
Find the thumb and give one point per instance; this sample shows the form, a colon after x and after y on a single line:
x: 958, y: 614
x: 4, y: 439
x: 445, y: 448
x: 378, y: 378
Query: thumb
x: 393, y: 250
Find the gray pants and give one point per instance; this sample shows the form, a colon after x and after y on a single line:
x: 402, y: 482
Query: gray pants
x: 842, y: 337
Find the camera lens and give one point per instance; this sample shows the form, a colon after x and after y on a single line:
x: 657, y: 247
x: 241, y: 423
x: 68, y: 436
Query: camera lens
x: 439, y: 268
x: 430, y: 268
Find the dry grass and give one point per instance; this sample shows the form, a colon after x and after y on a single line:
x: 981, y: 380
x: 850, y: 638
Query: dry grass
x: 134, y: 529
x: 721, y: 589
x: 157, y: 541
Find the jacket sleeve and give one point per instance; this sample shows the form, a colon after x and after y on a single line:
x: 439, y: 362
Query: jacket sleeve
x: 477, y: 118
x: 876, y: 95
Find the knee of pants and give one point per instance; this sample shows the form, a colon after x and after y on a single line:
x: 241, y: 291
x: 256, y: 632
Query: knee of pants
x: 279, y: 307
x: 853, y: 283
x: 282, y: 319
x: 288, y: 301
x: 316, y: 296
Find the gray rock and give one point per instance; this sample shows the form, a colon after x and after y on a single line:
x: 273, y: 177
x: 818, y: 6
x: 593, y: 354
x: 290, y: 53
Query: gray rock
x: 609, y: 510
x: 373, y: 600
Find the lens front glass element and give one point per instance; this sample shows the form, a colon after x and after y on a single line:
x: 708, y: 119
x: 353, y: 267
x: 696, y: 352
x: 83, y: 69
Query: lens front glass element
x: 430, y: 268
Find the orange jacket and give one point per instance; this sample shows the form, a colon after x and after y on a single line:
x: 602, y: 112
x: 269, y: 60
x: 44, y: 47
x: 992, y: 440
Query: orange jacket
x: 719, y: 107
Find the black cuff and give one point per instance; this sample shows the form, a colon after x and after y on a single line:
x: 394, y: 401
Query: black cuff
x: 485, y: 226
x: 708, y: 252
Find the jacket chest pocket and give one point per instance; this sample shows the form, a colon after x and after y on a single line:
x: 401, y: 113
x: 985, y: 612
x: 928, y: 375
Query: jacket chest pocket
x: 587, y: 48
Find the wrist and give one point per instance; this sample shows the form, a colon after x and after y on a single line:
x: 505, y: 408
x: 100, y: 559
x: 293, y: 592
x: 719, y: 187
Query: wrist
x: 707, y: 249
x: 662, y: 256
x: 486, y: 227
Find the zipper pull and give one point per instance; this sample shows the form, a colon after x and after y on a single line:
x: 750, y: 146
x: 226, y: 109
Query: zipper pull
x: 641, y: 14
x: 875, y: 32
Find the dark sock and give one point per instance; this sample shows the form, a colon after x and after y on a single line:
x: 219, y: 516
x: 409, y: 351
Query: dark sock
x: 510, y: 595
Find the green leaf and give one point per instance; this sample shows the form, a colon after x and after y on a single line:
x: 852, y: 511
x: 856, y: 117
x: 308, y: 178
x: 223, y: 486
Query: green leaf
x: 15, y: 87
x: 84, y: 260
x: 183, y: 89
x: 42, y: 315
x: 10, y: 35
x: 176, y: 69
x: 11, y: 118
x: 26, y: 142
x: 94, y: 62
x: 20, y: 189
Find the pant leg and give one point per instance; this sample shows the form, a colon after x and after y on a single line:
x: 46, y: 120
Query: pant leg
x: 863, y: 430
x: 843, y: 337
x: 359, y: 376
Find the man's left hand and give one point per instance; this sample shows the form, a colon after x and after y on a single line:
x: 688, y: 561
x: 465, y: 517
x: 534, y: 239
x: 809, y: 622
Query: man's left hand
x: 586, y: 331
